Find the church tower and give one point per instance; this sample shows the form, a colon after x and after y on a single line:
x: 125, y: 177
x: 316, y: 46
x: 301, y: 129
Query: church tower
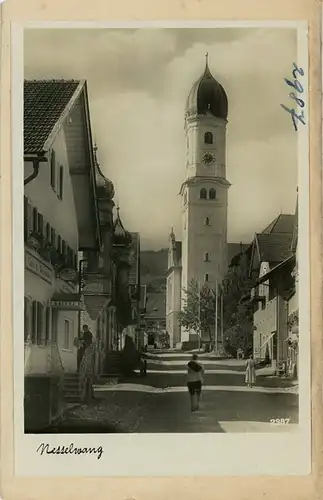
x: 205, y: 189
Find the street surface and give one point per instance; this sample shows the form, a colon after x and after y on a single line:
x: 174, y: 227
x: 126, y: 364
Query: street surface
x: 159, y: 402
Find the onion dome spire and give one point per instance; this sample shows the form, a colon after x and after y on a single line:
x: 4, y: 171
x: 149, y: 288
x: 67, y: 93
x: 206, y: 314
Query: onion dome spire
x: 121, y: 236
x: 105, y: 187
x: 207, y: 96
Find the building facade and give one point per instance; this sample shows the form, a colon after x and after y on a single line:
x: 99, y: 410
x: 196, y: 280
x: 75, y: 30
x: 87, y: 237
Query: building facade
x: 60, y: 219
x: 274, y: 291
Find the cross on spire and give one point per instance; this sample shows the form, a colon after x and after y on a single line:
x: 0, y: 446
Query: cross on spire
x: 206, y: 58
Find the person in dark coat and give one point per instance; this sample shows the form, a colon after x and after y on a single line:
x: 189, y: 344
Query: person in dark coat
x: 86, y: 339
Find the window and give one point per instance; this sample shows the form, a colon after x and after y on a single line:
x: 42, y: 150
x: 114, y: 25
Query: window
x: 47, y: 325
x: 206, y: 277
x: 53, y: 170
x: 212, y: 194
x: 203, y: 194
x: 185, y: 198
x: 207, y: 221
x: 208, y: 138
x: 206, y: 258
x: 67, y: 334
x: 40, y: 333
x: 60, y: 182
x: 34, y: 322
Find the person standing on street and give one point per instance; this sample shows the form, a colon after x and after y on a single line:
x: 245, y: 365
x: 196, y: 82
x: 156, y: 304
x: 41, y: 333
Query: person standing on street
x: 86, y: 340
x: 194, y: 381
x: 250, y: 371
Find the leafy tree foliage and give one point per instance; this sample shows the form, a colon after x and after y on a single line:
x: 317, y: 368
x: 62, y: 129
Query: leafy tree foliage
x: 238, y: 314
x: 198, y: 313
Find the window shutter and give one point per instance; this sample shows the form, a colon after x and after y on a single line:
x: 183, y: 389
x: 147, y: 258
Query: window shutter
x: 47, y: 323
x: 61, y: 181
x: 40, y: 224
x: 35, y: 219
x: 59, y: 243
x: 48, y: 232
x: 53, y: 169
x: 53, y: 237
x: 34, y: 322
x: 29, y: 218
x: 64, y: 249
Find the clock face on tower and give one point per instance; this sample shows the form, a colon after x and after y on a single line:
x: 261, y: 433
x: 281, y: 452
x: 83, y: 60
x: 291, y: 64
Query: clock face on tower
x: 208, y: 158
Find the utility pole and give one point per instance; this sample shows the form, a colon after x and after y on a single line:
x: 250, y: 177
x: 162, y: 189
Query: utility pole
x: 221, y: 302
x: 199, y: 317
x: 216, y: 317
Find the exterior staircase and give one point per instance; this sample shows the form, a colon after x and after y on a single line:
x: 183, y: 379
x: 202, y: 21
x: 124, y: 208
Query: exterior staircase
x: 71, y: 388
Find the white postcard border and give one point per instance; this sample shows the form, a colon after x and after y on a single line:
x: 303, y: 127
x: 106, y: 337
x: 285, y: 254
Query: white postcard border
x: 163, y: 454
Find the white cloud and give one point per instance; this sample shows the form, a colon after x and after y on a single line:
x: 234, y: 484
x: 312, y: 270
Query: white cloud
x: 138, y: 84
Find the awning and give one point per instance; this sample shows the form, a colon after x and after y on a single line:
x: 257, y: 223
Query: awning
x: 95, y: 303
x: 266, y: 341
x: 67, y: 302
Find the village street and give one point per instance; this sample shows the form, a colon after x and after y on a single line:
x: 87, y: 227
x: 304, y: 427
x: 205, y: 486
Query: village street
x: 159, y: 402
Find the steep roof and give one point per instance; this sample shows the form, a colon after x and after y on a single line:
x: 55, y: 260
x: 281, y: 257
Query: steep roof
x: 274, y: 248
x: 44, y: 103
x: 283, y: 224
x: 207, y: 96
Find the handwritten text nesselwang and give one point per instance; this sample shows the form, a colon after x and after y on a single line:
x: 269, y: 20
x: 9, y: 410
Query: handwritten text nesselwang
x: 45, y: 448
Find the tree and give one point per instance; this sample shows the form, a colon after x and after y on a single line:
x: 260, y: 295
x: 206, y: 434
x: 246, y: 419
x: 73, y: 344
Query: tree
x: 198, y: 313
x: 238, y: 313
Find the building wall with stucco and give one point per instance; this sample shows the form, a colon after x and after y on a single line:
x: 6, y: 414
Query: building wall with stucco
x: 54, y: 200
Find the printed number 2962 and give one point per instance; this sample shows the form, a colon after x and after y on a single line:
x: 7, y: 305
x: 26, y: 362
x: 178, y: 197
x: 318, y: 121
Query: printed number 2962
x: 279, y: 420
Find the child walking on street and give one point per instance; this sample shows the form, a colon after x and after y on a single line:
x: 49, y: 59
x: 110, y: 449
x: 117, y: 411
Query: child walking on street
x: 194, y: 382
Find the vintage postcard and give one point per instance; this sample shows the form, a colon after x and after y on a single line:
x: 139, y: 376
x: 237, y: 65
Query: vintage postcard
x: 164, y: 226
x: 161, y: 249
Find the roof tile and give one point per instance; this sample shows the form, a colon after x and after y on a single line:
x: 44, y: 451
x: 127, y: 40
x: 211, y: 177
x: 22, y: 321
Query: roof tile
x: 44, y: 102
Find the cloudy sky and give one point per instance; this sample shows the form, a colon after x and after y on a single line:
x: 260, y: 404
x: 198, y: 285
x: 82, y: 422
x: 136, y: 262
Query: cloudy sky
x: 138, y: 83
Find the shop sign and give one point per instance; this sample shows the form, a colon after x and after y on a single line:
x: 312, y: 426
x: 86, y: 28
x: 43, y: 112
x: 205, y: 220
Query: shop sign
x: 36, y: 266
x: 93, y: 288
x: 68, y: 305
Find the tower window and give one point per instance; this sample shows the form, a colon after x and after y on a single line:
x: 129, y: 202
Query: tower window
x: 206, y: 258
x: 203, y: 194
x: 207, y: 221
x: 206, y: 277
x: 208, y: 138
x: 212, y: 194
